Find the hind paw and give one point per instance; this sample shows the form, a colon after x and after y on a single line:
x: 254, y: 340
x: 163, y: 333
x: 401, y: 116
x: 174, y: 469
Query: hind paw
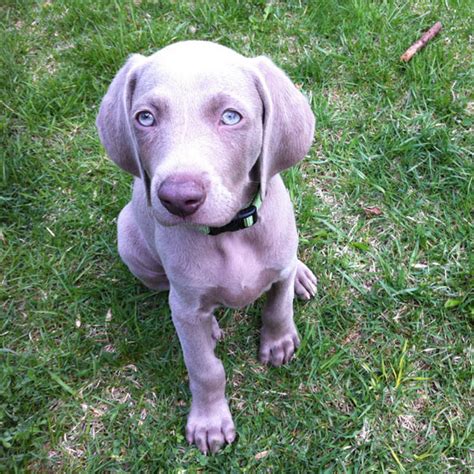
x: 305, y: 282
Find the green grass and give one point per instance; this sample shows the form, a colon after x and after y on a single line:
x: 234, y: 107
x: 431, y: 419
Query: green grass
x: 91, y: 373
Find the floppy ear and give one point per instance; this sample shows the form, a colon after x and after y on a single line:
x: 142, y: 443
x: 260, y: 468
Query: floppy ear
x: 113, y: 121
x: 288, y: 123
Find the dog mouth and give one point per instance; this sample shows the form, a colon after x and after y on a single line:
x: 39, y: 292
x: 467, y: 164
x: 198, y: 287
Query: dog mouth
x: 227, y: 217
x: 185, y: 206
x: 198, y: 219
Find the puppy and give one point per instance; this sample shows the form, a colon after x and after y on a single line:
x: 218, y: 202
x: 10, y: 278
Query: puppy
x: 205, y: 132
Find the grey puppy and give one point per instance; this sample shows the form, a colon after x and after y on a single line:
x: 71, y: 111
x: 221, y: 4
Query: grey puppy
x: 205, y: 131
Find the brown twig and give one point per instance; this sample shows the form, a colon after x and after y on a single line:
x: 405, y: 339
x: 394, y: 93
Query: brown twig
x: 421, y: 43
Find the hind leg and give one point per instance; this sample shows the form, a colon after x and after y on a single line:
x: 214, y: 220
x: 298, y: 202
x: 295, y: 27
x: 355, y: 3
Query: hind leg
x: 305, y: 282
x: 136, y: 254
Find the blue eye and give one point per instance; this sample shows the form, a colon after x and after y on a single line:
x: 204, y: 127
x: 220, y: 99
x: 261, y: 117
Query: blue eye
x: 231, y: 117
x: 145, y: 118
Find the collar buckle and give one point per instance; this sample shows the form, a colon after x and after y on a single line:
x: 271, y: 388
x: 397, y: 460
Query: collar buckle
x: 245, y: 218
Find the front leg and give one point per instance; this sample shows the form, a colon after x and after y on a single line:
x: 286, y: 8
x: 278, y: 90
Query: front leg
x: 278, y: 337
x: 209, y: 423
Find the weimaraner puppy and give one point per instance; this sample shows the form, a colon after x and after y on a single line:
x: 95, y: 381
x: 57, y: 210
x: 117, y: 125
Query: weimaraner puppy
x: 205, y: 131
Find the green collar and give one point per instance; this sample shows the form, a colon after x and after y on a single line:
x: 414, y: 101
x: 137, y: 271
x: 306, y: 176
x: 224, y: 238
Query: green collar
x: 245, y: 218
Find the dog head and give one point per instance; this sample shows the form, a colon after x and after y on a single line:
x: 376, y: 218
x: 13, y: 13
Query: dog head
x: 204, y: 127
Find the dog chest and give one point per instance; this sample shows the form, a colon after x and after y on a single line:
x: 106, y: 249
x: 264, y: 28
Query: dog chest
x: 231, y: 275
x: 242, y: 287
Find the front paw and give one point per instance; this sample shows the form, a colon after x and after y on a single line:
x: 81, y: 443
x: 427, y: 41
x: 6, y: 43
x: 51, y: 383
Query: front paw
x: 209, y: 428
x: 278, y: 349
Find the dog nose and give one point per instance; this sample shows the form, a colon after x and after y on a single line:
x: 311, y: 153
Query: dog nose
x: 182, y: 195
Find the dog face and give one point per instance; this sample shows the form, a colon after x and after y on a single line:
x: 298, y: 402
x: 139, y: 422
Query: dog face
x: 204, y: 127
x: 198, y: 127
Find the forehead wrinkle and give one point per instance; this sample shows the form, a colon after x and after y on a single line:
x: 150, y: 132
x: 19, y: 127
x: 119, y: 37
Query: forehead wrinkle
x: 156, y: 98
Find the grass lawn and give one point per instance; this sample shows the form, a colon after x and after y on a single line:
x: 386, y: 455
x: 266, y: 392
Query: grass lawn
x: 91, y: 373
